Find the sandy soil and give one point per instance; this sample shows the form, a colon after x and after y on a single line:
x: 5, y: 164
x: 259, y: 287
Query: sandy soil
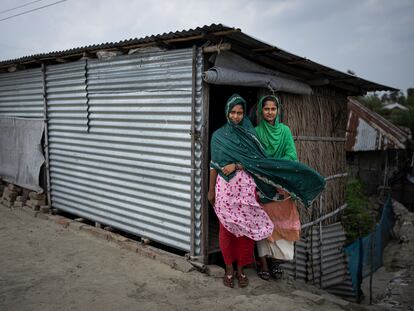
x: 44, y: 266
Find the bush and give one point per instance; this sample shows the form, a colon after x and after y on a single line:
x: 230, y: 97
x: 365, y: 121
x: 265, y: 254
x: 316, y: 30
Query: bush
x: 357, y: 218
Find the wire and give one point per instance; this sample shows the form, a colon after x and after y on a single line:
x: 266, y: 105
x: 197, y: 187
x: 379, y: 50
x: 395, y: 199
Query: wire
x: 36, y: 9
x: 20, y: 6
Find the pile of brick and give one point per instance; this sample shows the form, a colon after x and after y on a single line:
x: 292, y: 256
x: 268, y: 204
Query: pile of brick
x: 10, y: 194
x: 22, y: 198
x: 37, y: 202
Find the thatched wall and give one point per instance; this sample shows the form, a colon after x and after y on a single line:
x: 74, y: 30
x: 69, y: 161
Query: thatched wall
x: 315, y: 120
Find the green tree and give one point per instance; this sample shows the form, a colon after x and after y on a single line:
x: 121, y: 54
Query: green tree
x: 406, y: 117
x: 372, y: 102
x: 357, y: 218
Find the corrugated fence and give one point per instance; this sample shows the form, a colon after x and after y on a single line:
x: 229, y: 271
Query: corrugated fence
x: 320, y: 260
x: 21, y: 94
x: 120, y: 143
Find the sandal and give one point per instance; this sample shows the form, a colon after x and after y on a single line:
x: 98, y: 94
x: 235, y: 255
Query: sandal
x: 228, y: 280
x: 243, y: 280
x: 276, y: 270
x: 264, y: 275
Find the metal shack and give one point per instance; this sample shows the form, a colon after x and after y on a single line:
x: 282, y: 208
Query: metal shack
x: 127, y: 125
x: 376, y: 151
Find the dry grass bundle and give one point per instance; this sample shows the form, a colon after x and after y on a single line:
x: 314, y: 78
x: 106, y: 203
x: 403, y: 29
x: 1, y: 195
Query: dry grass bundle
x: 326, y: 157
x: 315, y: 115
x: 314, y: 118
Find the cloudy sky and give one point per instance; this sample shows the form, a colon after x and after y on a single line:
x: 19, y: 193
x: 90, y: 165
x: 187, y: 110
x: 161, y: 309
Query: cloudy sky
x: 373, y: 38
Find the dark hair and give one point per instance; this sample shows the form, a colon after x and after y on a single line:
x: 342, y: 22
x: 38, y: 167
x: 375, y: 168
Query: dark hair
x: 238, y: 104
x: 270, y: 99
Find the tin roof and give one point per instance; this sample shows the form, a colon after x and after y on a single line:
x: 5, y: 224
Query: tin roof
x: 395, y: 106
x: 241, y: 43
x: 368, y: 131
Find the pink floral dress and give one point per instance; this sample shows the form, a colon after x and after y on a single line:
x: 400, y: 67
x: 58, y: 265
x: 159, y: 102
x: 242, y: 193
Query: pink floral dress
x: 238, y: 210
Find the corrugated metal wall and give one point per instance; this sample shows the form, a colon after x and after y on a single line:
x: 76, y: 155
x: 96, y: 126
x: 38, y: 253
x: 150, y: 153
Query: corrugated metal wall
x: 313, y: 255
x: 21, y: 94
x: 120, y: 143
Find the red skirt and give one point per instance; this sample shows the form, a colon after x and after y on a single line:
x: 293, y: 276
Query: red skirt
x: 239, y: 249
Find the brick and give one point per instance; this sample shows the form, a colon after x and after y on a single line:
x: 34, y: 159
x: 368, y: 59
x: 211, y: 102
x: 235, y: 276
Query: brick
x: 7, y: 203
x: 44, y: 209
x: 37, y: 196
x: 182, y: 265
x: 215, y: 271
x: 14, y: 188
x: 117, y: 237
x: 309, y: 296
x: 35, y: 202
x: 20, y: 198
x: 9, y: 195
x: 30, y: 203
x: 61, y: 221
x: 30, y: 211
x: 77, y: 225
x: 18, y: 204
x: 97, y: 232
x: 10, y: 192
x: 42, y: 216
x: 129, y: 245
x: 144, y: 251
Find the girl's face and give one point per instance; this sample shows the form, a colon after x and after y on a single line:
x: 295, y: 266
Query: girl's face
x: 236, y: 114
x: 269, y: 111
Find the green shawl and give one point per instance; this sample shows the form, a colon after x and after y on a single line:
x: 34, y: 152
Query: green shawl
x: 276, y: 139
x: 238, y: 143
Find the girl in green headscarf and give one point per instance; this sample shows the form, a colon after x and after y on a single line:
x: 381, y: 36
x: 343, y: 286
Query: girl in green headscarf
x: 278, y: 143
x: 232, y: 192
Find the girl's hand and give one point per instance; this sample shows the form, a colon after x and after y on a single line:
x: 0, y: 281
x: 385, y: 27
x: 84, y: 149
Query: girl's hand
x: 228, y: 169
x: 211, y: 196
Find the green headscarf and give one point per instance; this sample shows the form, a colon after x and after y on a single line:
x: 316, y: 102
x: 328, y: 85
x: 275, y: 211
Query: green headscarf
x: 238, y: 143
x: 276, y: 139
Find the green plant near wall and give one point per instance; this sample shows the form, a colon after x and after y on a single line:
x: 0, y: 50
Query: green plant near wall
x: 357, y: 218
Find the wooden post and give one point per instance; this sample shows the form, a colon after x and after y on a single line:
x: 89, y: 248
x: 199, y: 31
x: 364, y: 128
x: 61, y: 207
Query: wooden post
x: 46, y: 133
x: 320, y: 242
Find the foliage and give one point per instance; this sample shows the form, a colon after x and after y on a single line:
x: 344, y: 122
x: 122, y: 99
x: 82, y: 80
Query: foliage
x: 373, y: 102
x: 357, y: 219
x: 404, y: 118
x: 393, y: 97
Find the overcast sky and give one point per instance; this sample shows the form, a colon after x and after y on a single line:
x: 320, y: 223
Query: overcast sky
x: 373, y: 38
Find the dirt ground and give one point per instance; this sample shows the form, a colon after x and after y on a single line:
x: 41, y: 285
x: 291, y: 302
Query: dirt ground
x: 44, y: 266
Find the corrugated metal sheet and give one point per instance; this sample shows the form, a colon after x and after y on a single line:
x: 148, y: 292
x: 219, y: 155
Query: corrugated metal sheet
x: 21, y: 94
x: 310, y: 251
x: 120, y: 144
x: 368, y: 131
x: 197, y: 32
